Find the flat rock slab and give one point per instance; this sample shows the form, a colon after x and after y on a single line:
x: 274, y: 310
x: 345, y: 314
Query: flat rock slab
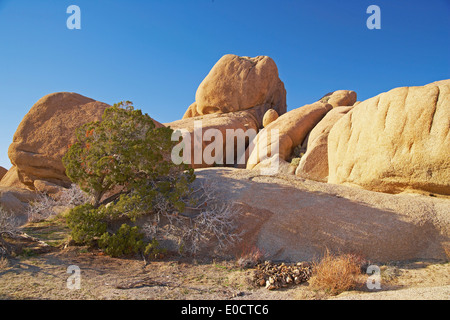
x: 293, y: 219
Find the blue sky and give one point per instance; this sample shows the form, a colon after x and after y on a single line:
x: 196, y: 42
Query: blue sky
x: 156, y: 53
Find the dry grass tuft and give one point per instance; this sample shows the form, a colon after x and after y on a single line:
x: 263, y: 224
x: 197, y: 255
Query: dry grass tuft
x: 337, y: 273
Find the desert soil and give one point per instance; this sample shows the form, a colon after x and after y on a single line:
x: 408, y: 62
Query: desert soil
x: 37, y: 274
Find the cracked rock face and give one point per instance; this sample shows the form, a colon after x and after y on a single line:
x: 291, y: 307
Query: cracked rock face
x: 396, y: 141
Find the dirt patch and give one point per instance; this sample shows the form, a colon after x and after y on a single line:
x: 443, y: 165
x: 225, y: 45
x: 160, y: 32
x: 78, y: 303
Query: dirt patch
x: 45, y: 276
x: 34, y: 273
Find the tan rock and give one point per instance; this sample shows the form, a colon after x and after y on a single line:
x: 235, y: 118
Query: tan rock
x: 3, y: 171
x: 283, y: 166
x: 237, y: 123
x: 314, y: 163
x: 397, y: 141
x: 45, y: 133
x: 12, y: 179
x: 294, y: 219
x: 46, y: 187
x: 292, y: 128
x: 340, y: 98
x: 270, y: 116
x: 16, y: 200
x: 240, y: 83
x: 191, y: 111
x: 235, y: 95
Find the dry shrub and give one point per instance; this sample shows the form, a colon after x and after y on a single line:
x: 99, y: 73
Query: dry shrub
x: 9, y: 224
x: 45, y: 206
x: 213, y: 220
x: 337, y: 273
x: 9, y: 227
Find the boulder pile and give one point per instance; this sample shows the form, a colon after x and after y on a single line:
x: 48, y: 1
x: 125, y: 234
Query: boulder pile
x: 235, y: 95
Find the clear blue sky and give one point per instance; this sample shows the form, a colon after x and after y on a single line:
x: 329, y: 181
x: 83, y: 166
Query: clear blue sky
x: 156, y: 53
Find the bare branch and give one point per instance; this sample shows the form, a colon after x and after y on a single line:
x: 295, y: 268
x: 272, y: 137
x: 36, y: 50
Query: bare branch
x: 45, y: 206
x: 213, y: 220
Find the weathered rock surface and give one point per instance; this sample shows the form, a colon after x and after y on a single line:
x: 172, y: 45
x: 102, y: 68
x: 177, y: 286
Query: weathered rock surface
x: 45, y: 133
x: 12, y: 179
x: 240, y: 83
x: 396, y: 141
x: 235, y: 95
x: 292, y: 128
x: 16, y: 200
x: 340, y: 98
x: 269, y: 117
x: 294, y: 219
x: 48, y: 188
x: 238, y: 122
x: 3, y: 171
x: 314, y: 163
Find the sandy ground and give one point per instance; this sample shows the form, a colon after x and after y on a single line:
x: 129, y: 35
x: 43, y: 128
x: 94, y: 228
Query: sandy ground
x: 43, y: 272
x: 45, y: 276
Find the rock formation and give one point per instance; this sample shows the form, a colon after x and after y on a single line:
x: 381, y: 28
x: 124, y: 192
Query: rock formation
x: 292, y: 128
x: 43, y: 137
x: 396, y: 141
x: 235, y: 94
x: 16, y: 200
x: 240, y: 83
x: 340, y: 98
x: 238, y: 122
x: 314, y: 163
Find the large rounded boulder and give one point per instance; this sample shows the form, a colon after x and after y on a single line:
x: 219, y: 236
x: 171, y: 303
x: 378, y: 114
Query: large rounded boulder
x: 396, y: 141
x: 44, y: 136
x: 240, y: 83
x: 233, y: 99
